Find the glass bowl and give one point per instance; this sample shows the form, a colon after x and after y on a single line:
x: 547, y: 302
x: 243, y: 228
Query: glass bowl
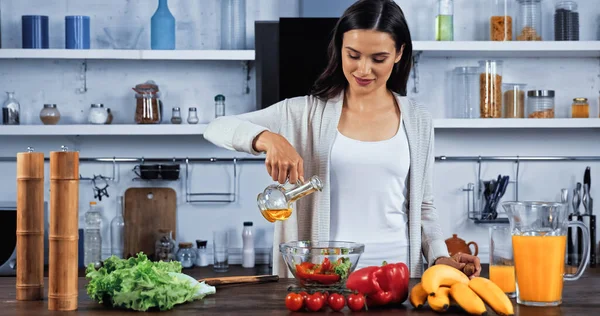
x: 324, y: 265
x: 123, y: 37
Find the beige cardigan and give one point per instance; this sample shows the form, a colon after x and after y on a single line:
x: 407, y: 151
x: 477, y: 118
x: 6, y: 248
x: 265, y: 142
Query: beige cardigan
x: 310, y: 125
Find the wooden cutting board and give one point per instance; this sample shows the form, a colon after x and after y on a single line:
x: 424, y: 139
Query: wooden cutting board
x: 147, y: 210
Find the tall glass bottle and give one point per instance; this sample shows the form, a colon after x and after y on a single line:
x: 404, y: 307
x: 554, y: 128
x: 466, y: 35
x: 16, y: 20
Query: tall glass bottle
x: 162, y: 29
x: 11, y: 110
x: 444, y: 21
x: 275, y: 203
x: 117, y: 231
x: 93, y: 236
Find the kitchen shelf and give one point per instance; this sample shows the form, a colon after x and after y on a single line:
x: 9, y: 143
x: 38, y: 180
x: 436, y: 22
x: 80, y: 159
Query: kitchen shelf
x: 118, y: 54
x: 481, y: 49
x: 566, y: 123
x: 101, y: 130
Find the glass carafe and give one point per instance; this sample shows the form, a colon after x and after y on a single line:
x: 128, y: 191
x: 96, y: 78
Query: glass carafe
x: 11, y: 110
x: 539, y: 241
x: 275, y: 203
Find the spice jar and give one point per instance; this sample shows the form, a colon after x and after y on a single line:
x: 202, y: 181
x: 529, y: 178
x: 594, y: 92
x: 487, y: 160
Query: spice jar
x: 514, y: 100
x: 202, y: 258
x: 148, y: 105
x: 444, y: 21
x: 529, y: 20
x: 566, y: 21
x: 186, y: 255
x: 580, y: 108
x: 192, y: 116
x: 176, y: 117
x: 97, y: 114
x: 110, y: 116
x: 219, y: 105
x: 490, y: 88
x: 540, y: 103
x: 49, y: 115
x: 501, y: 21
x: 164, y: 248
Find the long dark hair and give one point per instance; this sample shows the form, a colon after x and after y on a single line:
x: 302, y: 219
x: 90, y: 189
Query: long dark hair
x: 380, y: 15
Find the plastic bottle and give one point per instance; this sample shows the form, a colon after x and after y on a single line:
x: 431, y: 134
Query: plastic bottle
x: 248, y: 255
x: 117, y: 230
x: 93, y: 236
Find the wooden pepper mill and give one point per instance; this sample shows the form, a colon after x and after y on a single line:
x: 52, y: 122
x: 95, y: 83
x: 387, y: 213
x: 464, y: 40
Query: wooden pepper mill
x: 64, y: 230
x: 30, y: 226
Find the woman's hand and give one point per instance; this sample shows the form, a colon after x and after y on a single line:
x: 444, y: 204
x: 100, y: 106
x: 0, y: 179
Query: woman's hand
x: 459, y: 261
x: 282, y: 161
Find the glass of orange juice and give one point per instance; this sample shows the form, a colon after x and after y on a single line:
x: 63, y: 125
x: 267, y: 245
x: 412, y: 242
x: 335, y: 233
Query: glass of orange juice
x: 539, y: 240
x: 502, y: 266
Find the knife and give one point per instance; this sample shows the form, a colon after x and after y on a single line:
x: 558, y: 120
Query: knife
x: 587, y: 180
x: 585, y: 198
x: 576, y: 199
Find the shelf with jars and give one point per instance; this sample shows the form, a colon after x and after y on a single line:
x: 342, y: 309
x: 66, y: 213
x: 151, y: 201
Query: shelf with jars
x: 115, y: 54
x: 504, y: 123
x: 102, y: 130
x: 485, y: 49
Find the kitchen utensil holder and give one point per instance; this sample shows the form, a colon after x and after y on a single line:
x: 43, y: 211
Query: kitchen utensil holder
x: 227, y: 197
x: 160, y: 172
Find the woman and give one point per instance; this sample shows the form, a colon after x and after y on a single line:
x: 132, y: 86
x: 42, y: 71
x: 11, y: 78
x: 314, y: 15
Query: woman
x: 357, y: 131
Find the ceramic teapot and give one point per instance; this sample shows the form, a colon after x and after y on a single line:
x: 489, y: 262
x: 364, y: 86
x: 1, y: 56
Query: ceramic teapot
x: 456, y: 245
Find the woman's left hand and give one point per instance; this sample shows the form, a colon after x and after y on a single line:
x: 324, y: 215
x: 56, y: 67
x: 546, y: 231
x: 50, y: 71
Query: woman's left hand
x: 459, y: 261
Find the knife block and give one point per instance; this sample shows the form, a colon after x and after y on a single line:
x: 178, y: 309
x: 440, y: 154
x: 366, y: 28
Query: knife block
x: 575, y: 240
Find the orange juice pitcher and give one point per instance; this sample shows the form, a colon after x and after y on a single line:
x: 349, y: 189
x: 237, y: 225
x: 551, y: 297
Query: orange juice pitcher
x: 275, y: 203
x: 539, y: 240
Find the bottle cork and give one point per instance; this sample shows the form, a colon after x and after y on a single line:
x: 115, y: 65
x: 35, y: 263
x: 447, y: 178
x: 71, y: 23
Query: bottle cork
x: 30, y: 226
x: 64, y: 230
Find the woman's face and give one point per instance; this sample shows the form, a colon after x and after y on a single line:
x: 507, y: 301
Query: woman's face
x: 368, y: 58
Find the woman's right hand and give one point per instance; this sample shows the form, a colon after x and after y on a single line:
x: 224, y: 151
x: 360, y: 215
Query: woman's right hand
x: 282, y: 161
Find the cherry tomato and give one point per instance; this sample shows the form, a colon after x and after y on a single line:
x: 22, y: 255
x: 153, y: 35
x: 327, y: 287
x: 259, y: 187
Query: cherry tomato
x: 294, y: 302
x: 356, y: 302
x: 325, y: 297
x: 304, y: 295
x: 336, y: 302
x: 314, y: 302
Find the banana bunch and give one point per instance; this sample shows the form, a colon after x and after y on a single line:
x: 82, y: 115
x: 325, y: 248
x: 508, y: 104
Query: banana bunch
x: 442, y: 286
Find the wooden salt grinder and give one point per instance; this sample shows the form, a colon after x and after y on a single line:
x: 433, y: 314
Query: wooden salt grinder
x: 64, y: 230
x: 30, y: 226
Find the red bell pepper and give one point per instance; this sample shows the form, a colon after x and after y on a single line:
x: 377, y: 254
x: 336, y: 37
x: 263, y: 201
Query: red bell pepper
x: 382, y: 285
x: 321, y: 273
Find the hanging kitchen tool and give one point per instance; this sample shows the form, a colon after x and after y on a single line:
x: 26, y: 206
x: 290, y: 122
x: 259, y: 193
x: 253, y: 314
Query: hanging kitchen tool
x: 587, y: 180
x: 589, y: 219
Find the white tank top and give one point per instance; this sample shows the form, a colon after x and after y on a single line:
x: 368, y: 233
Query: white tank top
x: 368, y: 196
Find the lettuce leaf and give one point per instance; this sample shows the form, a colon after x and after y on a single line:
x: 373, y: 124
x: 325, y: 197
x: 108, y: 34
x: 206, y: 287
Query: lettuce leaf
x: 140, y: 284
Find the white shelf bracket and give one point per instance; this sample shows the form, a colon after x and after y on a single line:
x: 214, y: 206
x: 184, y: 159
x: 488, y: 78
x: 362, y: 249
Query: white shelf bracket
x: 83, y: 77
x: 415, y: 61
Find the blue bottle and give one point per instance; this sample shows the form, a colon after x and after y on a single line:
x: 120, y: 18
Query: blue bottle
x: 162, y: 29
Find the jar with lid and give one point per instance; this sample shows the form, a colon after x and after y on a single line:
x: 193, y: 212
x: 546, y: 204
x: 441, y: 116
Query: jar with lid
x: 110, y: 116
x: 49, y: 115
x: 529, y: 20
x: 202, y: 257
x: 164, y: 248
x: 490, y: 88
x: 540, y: 103
x: 580, y: 108
x: 186, y: 255
x: 148, y: 106
x: 97, y: 114
x: 465, y: 92
x: 176, y: 117
x: 514, y: 100
x: 444, y: 21
x: 192, y: 116
x: 501, y: 21
x: 566, y: 21
x: 219, y: 105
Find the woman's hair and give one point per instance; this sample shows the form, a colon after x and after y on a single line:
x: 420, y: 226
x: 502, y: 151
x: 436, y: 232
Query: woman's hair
x: 380, y: 15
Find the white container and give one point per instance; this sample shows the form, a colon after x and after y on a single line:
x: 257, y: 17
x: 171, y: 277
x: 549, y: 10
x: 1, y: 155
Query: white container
x: 97, y: 114
x: 248, y: 254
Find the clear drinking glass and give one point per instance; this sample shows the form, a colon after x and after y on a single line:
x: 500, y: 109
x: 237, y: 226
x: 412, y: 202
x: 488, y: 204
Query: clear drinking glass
x: 502, y: 266
x: 466, y: 92
x: 539, y: 238
x: 220, y: 253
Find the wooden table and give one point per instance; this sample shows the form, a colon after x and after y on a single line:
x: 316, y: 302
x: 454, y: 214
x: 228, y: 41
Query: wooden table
x: 579, y: 298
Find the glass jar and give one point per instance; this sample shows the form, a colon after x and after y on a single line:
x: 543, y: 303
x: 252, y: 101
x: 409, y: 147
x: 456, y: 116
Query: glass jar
x: 97, y: 114
x: 529, y: 20
x: 110, y: 116
x: 192, y: 116
x: 176, y: 117
x: 501, y: 21
x: 233, y: 24
x: 540, y: 103
x: 490, y: 88
x: 465, y: 92
x: 11, y: 110
x: 444, y: 21
x: 186, y: 255
x: 566, y: 21
x: 49, y: 115
x: 514, y: 100
x: 219, y: 105
x: 164, y: 248
x: 147, y: 109
x: 580, y: 108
